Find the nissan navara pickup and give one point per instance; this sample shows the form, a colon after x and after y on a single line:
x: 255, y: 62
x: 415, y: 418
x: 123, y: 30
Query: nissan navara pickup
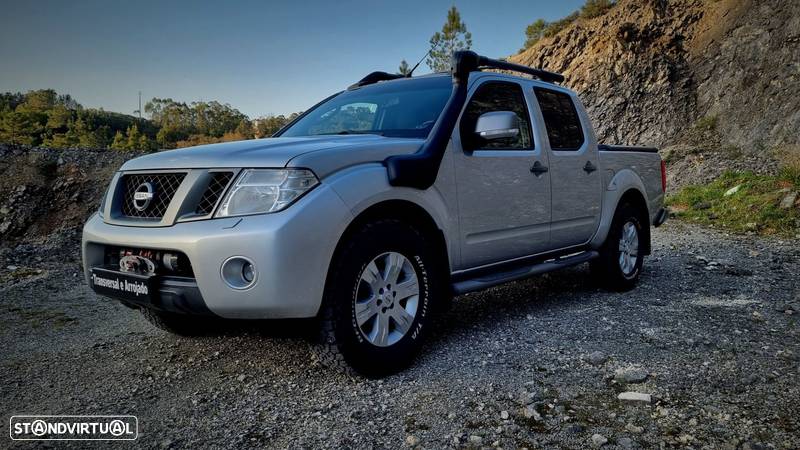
x: 375, y: 207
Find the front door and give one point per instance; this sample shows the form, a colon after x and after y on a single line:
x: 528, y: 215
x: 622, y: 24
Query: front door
x: 504, y: 208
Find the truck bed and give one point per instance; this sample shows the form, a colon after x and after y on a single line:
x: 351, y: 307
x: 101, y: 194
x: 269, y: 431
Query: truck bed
x: 644, y: 161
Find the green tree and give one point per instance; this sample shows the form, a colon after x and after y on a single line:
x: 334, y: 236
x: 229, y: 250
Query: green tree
x: 245, y: 129
x: 10, y: 100
x: 40, y: 100
x: 553, y: 28
x: 534, y: 32
x: 453, y: 37
x: 596, y: 8
x: 119, y: 143
x: 22, y: 127
x: 404, y: 69
x: 145, y: 143
x: 267, y: 126
x: 133, y: 137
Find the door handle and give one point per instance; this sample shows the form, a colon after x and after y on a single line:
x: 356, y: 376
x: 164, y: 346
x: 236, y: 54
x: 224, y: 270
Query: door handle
x: 538, y: 168
x: 589, y: 167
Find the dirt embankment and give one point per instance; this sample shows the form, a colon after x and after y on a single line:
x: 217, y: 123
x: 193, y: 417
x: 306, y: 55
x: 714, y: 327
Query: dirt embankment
x: 47, y: 193
x: 714, y: 83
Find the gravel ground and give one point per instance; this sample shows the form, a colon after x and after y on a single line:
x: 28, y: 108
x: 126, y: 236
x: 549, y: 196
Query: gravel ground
x: 710, y: 333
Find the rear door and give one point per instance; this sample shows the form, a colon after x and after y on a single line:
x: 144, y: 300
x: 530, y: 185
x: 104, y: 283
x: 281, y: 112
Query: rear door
x: 574, y: 168
x: 504, y: 208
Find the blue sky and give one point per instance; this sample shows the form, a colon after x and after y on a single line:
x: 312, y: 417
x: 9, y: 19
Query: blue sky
x: 262, y: 57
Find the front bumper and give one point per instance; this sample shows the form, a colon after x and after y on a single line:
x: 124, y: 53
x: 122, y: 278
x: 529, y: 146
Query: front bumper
x: 291, y: 250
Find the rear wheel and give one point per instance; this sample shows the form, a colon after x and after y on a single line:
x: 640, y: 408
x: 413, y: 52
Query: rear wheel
x: 621, y: 257
x: 378, y: 300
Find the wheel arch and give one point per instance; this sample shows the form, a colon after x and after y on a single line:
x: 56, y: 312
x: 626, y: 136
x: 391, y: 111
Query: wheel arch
x: 626, y: 186
x: 636, y: 199
x: 405, y: 211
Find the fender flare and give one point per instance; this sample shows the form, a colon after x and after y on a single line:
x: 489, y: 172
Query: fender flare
x: 352, y: 183
x: 621, y: 184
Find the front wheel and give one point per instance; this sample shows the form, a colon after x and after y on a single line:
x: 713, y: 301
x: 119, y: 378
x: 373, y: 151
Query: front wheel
x: 378, y: 300
x: 621, y: 257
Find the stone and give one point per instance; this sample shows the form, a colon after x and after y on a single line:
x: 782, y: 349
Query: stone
x: 702, y: 205
x: 241, y: 377
x: 733, y: 190
x: 789, y: 200
x: 635, y: 397
x: 475, y: 439
x: 596, y: 358
x: 529, y: 412
x: 631, y: 428
x: 504, y: 415
x: 630, y: 375
x: 625, y: 442
x: 412, y: 441
x: 598, y: 440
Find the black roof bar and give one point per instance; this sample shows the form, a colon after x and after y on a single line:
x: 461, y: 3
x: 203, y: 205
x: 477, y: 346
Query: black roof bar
x: 467, y: 61
x: 375, y: 77
x: 544, y: 75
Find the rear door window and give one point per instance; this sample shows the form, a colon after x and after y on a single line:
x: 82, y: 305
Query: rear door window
x: 561, y: 119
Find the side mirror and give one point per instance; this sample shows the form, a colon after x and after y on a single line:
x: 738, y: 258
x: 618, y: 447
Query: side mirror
x: 497, y: 125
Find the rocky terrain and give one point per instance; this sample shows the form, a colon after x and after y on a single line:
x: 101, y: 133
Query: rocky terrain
x: 715, y: 83
x: 703, y: 354
x: 46, y: 192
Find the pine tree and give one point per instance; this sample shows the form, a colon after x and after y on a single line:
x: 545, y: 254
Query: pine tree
x: 534, y: 32
x: 453, y: 37
x: 134, y: 137
x: 119, y: 142
x: 404, y: 69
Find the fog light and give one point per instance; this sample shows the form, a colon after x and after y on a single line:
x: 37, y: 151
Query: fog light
x: 238, y: 272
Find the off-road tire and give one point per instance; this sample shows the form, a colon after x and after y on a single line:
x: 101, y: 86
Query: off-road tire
x: 180, y: 324
x: 340, y: 344
x: 606, y: 269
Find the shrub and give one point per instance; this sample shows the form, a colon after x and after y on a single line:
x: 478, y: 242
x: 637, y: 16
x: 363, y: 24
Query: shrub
x: 595, y: 8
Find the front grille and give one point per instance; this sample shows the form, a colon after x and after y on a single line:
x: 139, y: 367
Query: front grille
x: 164, y: 187
x: 216, y: 186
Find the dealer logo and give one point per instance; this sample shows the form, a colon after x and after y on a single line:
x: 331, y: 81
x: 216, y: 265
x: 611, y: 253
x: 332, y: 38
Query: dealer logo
x: 143, y: 195
x: 73, y: 428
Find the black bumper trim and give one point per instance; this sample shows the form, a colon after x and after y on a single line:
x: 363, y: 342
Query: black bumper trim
x: 179, y: 295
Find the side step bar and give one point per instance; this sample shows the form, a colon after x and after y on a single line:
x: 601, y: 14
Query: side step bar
x: 504, y: 275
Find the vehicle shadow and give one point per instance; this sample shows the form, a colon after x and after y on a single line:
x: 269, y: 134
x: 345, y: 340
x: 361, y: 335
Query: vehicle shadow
x: 505, y: 303
x: 496, y: 306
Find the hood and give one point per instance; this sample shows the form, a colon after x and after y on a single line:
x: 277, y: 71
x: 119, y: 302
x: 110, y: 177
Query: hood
x: 267, y: 152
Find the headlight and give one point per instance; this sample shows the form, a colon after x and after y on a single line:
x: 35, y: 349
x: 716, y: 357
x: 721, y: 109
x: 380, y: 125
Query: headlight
x: 258, y: 191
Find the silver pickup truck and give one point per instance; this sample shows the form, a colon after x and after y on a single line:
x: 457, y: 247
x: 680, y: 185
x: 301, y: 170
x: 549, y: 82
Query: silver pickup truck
x: 374, y: 208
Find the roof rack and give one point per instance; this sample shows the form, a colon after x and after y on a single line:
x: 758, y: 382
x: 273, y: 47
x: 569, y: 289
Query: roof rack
x: 544, y: 75
x: 375, y: 77
x: 465, y: 62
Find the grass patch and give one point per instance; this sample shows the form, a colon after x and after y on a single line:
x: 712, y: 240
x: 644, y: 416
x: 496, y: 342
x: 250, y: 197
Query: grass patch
x: 754, y: 207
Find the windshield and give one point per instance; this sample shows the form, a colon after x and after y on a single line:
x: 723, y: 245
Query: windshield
x: 402, y: 108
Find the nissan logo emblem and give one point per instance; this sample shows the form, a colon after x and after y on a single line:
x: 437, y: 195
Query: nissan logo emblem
x: 142, y: 196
